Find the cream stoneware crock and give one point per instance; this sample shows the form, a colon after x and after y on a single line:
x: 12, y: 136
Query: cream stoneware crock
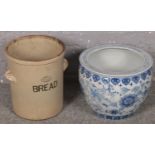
x: 35, y: 70
x: 115, y: 79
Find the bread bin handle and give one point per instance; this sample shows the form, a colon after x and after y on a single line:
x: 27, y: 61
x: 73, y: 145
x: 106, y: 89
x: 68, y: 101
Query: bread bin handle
x: 10, y: 76
x: 65, y: 64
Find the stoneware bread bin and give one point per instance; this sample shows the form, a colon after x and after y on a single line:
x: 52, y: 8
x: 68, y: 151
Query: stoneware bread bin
x: 35, y: 70
x: 115, y: 79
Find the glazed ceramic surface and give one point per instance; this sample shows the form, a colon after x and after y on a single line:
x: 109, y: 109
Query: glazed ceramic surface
x: 115, y: 79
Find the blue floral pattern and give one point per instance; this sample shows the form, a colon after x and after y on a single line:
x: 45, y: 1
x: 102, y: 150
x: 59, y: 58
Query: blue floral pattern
x: 143, y: 75
x: 126, y: 81
x: 105, y: 81
x: 82, y: 70
x: 88, y: 74
x: 96, y: 78
x: 136, y: 79
x: 114, y: 97
x: 115, y: 81
x: 149, y: 72
x: 128, y: 100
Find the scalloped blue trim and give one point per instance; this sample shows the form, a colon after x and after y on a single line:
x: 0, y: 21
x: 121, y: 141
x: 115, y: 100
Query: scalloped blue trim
x: 116, y: 80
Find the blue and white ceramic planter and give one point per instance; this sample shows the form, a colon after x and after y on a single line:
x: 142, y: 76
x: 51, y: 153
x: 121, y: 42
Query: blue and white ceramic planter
x: 115, y: 93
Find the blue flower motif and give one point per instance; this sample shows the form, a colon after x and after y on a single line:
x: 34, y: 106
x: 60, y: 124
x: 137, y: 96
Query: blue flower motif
x: 143, y: 75
x: 88, y: 74
x: 82, y: 70
x: 115, y: 81
x: 105, y: 81
x: 126, y: 81
x: 96, y: 78
x: 114, y: 112
x: 128, y: 101
x: 135, y: 79
x: 94, y: 92
x: 149, y: 72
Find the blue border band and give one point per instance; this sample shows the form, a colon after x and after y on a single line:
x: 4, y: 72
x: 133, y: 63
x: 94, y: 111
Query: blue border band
x: 113, y: 117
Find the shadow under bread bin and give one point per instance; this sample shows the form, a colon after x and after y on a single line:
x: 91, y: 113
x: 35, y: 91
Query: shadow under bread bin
x: 115, y: 79
x: 36, y: 64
